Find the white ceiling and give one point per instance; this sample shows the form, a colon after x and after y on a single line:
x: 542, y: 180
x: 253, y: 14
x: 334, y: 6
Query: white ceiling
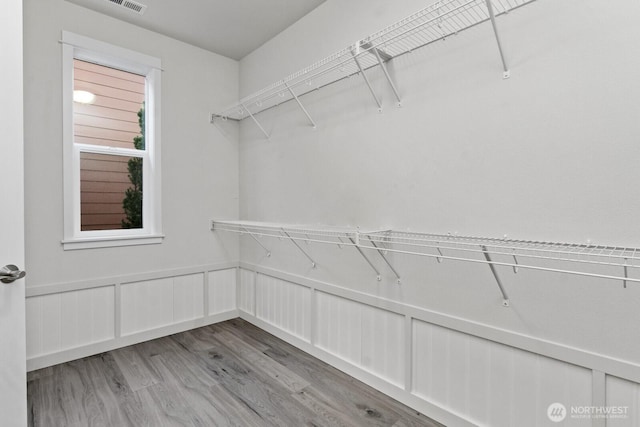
x: 233, y: 28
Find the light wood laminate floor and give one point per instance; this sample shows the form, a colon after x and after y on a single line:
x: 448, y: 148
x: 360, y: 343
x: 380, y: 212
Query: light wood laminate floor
x: 229, y: 374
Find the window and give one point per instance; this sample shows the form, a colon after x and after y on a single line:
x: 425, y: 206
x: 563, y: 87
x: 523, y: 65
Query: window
x: 111, y: 108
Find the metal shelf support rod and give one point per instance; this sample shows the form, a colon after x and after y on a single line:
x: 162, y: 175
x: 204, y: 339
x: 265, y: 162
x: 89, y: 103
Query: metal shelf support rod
x: 509, y: 264
x: 385, y: 260
x: 300, y: 104
x: 502, y: 250
x: 492, y: 15
x: 313, y: 263
x: 386, y: 74
x: 255, y: 121
x: 384, y: 55
x: 378, y: 275
x: 366, y: 79
x: 257, y: 241
x: 505, y: 298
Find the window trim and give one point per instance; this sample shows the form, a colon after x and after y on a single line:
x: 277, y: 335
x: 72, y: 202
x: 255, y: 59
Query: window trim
x: 75, y: 46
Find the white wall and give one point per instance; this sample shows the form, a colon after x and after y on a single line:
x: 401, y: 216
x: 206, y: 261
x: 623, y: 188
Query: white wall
x: 199, y: 181
x: 549, y: 154
x: 199, y: 162
x: 543, y: 155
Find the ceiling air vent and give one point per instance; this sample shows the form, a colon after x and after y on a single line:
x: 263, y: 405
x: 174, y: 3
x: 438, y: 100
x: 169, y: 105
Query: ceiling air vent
x: 131, y: 5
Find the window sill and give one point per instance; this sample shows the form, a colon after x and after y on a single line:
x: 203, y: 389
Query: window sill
x: 111, y: 242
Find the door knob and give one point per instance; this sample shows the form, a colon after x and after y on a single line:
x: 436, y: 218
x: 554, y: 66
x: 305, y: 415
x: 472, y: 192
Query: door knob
x: 10, y: 273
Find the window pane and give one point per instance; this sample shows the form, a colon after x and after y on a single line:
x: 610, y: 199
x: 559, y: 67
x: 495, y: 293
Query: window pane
x: 110, y: 192
x: 108, y: 107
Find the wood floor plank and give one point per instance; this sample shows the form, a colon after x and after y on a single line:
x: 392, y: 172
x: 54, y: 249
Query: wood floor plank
x: 239, y: 328
x: 271, y: 401
x: 117, y: 401
x: 229, y: 374
x: 44, y: 372
x: 154, y: 417
x: 333, y: 382
x: 67, y: 397
x: 203, y: 394
x: 152, y: 348
x: 261, y: 362
x: 134, y: 368
x: 337, y: 413
x: 245, y: 329
x: 194, y: 340
x: 187, y: 406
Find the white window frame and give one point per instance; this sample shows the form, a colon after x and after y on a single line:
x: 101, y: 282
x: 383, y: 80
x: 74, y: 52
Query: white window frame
x: 75, y: 46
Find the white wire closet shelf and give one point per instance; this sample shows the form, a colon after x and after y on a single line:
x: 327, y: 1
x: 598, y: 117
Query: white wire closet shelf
x: 445, y: 246
x: 435, y: 22
x: 307, y: 233
x: 568, y: 258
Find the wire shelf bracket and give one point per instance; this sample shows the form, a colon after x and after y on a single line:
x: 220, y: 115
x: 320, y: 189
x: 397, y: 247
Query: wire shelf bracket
x: 313, y: 263
x: 384, y: 257
x: 515, y: 264
x: 378, y: 275
x: 376, y: 52
x: 505, y: 298
x: 257, y: 241
x: 304, y: 110
x: 506, y: 73
x: 366, y: 79
x: 436, y: 22
x: 244, y: 107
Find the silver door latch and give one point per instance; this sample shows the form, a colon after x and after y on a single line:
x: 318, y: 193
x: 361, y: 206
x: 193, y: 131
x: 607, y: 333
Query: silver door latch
x: 10, y: 273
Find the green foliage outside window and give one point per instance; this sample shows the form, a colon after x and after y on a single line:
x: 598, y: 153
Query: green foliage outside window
x: 132, y: 203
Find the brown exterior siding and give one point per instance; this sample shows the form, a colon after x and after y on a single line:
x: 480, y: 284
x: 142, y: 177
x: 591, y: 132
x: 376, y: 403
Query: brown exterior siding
x: 111, y: 120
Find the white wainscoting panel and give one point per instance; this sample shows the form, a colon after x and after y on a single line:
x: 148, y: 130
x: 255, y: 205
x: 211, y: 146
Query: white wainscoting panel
x: 67, y: 320
x: 188, y: 302
x: 284, y: 304
x: 247, y: 292
x: 493, y: 384
x: 369, y: 337
x: 626, y: 394
x: 152, y: 304
x: 222, y: 290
